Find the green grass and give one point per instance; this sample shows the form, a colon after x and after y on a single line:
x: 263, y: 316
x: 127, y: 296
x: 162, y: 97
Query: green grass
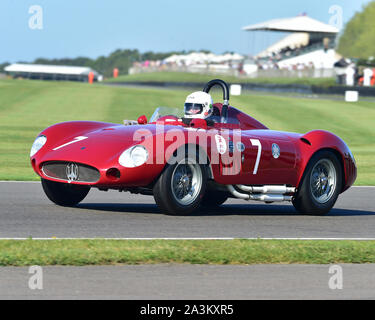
x: 166, y: 76
x: 110, y: 252
x: 27, y: 107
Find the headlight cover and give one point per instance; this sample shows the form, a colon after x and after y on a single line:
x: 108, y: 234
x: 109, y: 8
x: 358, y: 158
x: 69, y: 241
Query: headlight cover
x: 133, y: 157
x: 38, y: 144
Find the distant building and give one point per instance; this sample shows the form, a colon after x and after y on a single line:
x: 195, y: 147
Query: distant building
x: 309, y: 43
x: 51, y: 72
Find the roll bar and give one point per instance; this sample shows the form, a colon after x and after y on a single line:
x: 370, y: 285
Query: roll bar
x: 225, y: 88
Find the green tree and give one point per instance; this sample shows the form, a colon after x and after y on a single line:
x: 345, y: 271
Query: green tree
x: 3, y: 65
x: 358, y: 38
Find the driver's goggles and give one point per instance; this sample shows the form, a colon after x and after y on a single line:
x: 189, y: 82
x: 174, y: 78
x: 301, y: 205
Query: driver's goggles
x: 193, y: 108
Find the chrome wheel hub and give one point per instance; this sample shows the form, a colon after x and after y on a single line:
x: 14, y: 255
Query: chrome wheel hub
x: 323, y: 180
x: 186, y: 181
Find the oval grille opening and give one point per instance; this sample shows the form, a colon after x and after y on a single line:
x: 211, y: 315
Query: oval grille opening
x: 61, y: 171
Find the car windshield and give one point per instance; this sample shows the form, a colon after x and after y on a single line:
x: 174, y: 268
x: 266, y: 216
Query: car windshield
x: 166, y: 111
x: 179, y: 113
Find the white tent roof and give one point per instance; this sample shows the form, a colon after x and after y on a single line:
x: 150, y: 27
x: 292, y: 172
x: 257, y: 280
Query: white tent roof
x: 41, y: 68
x: 200, y: 57
x: 172, y: 58
x: 236, y: 56
x: 296, y: 24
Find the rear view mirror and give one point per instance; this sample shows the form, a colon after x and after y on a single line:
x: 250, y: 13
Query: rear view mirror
x: 142, y: 120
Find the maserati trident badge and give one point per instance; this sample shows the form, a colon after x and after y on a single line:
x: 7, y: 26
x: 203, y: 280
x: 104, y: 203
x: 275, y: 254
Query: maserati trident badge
x: 275, y: 150
x: 72, y: 172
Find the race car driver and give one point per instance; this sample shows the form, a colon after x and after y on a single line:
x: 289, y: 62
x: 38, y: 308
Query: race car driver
x: 199, y: 105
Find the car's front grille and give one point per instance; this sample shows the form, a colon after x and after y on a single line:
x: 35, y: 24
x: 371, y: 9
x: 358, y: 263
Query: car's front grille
x: 70, y: 171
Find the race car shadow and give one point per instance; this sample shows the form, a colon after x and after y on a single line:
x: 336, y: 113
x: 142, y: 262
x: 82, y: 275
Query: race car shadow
x: 121, y: 207
x: 268, y: 210
x: 224, y: 210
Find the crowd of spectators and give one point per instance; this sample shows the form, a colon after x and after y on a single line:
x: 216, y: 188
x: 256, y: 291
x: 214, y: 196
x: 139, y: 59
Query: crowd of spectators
x: 270, y: 64
x: 272, y: 59
x: 191, y: 62
x: 287, y: 52
x: 348, y: 73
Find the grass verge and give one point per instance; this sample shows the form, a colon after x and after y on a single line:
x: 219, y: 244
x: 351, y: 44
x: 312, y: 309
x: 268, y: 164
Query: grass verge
x: 239, y: 251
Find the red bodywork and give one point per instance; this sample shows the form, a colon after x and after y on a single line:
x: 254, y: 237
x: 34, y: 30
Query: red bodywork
x: 105, y: 142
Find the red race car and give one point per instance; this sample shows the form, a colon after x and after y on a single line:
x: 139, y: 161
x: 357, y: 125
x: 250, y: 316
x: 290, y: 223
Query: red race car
x: 197, y: 158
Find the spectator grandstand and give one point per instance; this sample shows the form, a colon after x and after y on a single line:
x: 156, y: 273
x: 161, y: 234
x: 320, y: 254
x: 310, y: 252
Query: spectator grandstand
x: 309, y: 44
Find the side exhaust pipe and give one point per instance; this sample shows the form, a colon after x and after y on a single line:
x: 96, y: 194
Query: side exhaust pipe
x: 267, y: 189
x: 267, y: 197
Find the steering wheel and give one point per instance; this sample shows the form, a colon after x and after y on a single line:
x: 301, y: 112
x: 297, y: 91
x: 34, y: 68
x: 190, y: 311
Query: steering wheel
x: 224, y: 87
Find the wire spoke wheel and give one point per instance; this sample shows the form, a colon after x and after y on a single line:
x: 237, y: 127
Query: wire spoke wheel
x: 181, y: 186
x: 321, y: 184
x: 323, y: 180
x: 186, y: 182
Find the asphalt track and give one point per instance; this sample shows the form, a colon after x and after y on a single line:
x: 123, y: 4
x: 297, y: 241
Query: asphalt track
x: 190, y: 282
x: 25, y: 211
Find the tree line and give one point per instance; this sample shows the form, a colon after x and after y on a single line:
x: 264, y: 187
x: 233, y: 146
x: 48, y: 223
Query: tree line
x: 357, y: 40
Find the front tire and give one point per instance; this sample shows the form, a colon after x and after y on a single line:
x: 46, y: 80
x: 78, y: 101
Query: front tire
x: 213, y: 198
x: 321, y: 184
x: 180, y: 188
x: 64, y: 194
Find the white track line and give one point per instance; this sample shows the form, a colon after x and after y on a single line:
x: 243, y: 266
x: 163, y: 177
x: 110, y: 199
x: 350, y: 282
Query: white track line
x: 11, y: 181
x: 149, y: 239
x: 362, y: 187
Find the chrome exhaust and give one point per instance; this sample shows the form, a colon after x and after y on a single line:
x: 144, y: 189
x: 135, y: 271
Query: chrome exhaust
x: 267, y: 189
x: 275, y: 196
x: 271, y: 197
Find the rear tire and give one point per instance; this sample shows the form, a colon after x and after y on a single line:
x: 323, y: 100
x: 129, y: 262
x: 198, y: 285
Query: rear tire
x: 64, y: 194
x: 321, y: 184
x: 180, y: 188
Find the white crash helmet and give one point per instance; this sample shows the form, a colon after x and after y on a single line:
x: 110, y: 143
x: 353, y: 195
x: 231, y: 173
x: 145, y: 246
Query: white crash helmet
x: 198, y: 105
